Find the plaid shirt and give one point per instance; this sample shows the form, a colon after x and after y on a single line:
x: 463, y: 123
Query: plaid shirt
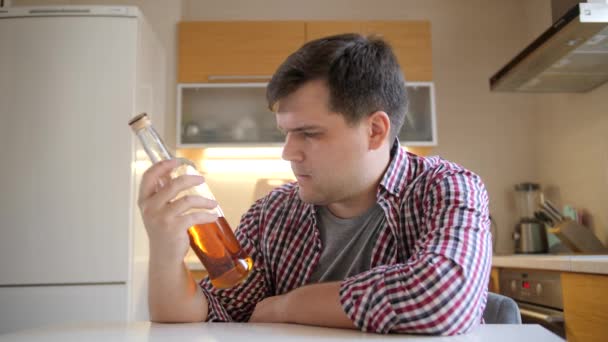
x: 430, y: 265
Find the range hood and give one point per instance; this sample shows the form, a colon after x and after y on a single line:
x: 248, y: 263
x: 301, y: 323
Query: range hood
x: 570, y: 56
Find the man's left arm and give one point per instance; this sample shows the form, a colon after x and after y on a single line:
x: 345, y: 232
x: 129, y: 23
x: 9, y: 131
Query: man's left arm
x: 316, y: 304
x: 442, y: 288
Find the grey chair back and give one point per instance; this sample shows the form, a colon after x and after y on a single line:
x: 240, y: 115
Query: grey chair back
x: 501, y: 310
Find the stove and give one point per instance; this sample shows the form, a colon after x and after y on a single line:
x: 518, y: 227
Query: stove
x: 538, y: 295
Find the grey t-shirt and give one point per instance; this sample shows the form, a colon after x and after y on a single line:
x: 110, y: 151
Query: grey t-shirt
x: 347, y: 243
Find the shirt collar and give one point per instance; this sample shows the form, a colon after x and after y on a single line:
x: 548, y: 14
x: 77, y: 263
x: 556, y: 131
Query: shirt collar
x: 395, y: 177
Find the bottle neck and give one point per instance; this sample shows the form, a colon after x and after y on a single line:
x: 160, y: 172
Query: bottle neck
x: 153, y: 145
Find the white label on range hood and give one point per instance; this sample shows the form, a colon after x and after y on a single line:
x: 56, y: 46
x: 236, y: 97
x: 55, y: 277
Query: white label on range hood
x: 594, y: 12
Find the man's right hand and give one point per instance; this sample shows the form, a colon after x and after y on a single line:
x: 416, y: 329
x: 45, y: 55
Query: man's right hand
x: 173, y: 295
x: 165, y: 219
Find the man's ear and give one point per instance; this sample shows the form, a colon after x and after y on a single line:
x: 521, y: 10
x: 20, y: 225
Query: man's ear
x: 379, y: 128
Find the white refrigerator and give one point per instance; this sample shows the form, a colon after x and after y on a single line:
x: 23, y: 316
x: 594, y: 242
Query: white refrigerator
x: 72, y: 245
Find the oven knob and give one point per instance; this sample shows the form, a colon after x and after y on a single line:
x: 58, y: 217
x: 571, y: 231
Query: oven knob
x: 513, y: 285
x: 539, y: 289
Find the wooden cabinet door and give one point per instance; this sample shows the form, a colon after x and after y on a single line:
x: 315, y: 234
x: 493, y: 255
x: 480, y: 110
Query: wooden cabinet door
x: 411, y: 41
x: 585, y: 307
x: 235, y: 51
x: 494, y: 281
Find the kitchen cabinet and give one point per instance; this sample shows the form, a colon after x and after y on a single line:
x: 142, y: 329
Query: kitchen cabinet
x: 224, y: 67
x: 236, y: 114
x: 494, y: 282
x: 236, y: 51
x: 410, y: 40
x: 585, y: 307
x: 224, y: 114
x: 241, y: 51
x: 584, y: 304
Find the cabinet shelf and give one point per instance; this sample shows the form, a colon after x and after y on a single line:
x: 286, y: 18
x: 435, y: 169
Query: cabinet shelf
x: 236, y: 114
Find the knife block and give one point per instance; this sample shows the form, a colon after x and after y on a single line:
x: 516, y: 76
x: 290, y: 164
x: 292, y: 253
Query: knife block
x: 578, y: 237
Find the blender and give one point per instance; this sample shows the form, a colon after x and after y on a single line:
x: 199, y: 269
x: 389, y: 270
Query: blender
x: 530, y: 235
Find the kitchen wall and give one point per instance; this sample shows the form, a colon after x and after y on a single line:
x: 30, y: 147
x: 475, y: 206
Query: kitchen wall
x: 506, y: 138
x: 572, y: 142
x: 572, y: 152
x: 558, y: 140
x: 492, y: 134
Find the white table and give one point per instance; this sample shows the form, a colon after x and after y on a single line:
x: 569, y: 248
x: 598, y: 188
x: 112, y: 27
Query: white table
x: 250, y: 332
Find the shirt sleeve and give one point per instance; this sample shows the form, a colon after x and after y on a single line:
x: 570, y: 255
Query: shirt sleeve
x: 442, y: 288
x: 236, y: 304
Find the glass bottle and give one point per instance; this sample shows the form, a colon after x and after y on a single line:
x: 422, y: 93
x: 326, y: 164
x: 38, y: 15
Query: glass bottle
x: 214, y: 243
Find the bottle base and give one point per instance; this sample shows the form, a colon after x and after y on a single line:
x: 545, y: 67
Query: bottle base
x: 233, y: 277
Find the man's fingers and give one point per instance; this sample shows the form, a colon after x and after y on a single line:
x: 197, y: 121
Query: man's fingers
x: 175, y: 186
x: 186, y: 203
x: 152, y: 176
x: 199, y: 217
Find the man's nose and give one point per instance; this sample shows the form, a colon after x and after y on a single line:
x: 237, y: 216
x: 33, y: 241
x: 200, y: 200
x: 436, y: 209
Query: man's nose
x: 291, y: 149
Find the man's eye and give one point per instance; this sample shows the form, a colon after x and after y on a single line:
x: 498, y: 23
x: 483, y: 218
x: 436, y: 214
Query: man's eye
x: 310, y: 134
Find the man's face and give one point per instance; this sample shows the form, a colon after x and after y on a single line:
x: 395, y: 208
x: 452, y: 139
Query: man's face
x: 327, y: 155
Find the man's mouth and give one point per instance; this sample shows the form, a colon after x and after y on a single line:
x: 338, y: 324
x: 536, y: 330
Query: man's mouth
x: 301, y: 177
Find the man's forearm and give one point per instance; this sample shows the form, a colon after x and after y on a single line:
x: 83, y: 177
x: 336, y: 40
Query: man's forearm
x: 317, y: 304
x: 173, y: 295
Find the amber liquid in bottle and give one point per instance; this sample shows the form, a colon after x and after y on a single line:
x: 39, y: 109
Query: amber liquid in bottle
x: 213, y: 243
x: 217, y: 248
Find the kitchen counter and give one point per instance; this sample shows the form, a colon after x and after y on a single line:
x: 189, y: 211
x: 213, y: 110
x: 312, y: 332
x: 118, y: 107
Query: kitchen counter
x: 566, y: 263
x: 266, y: 332
x: 193, y: 263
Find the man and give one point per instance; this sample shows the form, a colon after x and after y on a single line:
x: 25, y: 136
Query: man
x: 369, y: 237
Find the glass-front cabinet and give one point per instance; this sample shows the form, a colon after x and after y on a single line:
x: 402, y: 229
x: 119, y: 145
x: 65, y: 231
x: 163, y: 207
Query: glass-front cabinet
x: 236, y: 114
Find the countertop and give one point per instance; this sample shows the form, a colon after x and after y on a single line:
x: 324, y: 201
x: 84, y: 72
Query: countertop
x: 192, y: 262
x: 567, y: 263
x: 258, y: 332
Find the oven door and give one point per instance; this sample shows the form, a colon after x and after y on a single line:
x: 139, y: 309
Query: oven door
x: 551, y: 319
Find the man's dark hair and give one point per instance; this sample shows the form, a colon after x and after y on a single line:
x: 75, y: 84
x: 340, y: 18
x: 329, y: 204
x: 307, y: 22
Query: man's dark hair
x: 361, y: 73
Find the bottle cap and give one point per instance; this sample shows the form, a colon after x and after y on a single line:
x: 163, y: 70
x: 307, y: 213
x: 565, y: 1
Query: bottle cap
x: 139, y: 122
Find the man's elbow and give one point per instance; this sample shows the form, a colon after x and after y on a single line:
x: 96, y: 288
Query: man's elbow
x: 447, y: 320
x: 459, y: 320
x: 170, y: 315
x: 164, y: 318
